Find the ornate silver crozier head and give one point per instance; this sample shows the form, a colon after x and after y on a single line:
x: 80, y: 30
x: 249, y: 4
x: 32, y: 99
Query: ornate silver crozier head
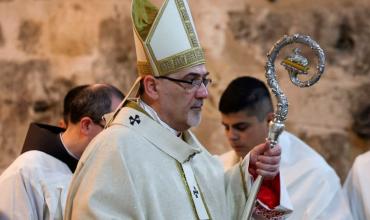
x: 297, y: 65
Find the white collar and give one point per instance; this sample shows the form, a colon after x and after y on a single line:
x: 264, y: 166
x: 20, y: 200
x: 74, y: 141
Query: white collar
x: 65, y: 147
x: 155, y: 116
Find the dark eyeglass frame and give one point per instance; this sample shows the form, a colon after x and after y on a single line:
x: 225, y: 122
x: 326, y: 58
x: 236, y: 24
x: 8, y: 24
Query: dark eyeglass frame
x: 197, y: 82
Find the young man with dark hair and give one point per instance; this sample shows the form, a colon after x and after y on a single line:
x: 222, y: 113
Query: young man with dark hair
x: 313, y: 186
x: 34, y: 186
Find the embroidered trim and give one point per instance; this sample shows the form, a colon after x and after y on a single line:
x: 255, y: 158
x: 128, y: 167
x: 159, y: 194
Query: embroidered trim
x: 171, y: 64
x: 183, y: 177
x: 187, y: 23
x: 182, y: 174
x: 243, y: 181
x: 268, y: 214
x: 182, y: 60
x: 144, y: 68
x: 205, y: 204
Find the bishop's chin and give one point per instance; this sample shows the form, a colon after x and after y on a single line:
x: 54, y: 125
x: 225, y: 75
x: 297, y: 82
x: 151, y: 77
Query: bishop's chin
x: 194, y: 118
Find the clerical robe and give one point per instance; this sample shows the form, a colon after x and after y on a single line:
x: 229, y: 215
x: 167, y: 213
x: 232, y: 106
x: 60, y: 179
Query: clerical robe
x: 134, y: 170
x: 357, y: 187
x: 35, y: 185
x: 313, y: 186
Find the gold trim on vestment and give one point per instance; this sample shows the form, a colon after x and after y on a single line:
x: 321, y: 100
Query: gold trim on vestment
x: 144, y: 68
x: 185, y: 182
x: 187, y: 23
x: 183, y: 178
x: 171, y: 64
x: 242, y: 175
x: 181, y: 60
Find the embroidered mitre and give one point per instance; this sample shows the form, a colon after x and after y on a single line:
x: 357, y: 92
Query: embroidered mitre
x: 165, y: 39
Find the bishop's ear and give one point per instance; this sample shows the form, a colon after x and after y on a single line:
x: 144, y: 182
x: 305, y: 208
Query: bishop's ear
x: 150, y: 84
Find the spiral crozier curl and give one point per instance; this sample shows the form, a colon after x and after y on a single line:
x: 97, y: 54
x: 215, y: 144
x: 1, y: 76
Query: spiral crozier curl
x: 296, y: 64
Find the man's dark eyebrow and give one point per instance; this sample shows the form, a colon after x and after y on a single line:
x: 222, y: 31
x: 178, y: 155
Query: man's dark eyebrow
x: 236, y: 124
x: 240, y: 123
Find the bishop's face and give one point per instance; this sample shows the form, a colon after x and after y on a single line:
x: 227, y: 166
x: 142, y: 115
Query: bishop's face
x: 244, y: 131
x: 180, y: 102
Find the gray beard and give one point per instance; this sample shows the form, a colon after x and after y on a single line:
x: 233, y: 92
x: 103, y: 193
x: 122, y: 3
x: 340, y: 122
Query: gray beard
x: 194, y: 119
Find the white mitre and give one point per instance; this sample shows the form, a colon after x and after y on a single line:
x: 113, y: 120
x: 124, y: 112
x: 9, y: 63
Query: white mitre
x: 166, y: 40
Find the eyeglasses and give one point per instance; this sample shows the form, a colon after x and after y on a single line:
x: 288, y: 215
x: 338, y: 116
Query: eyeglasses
x: 195, y: 83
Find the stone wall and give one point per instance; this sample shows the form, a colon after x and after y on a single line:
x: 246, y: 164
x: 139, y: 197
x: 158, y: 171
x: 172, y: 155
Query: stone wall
x: 47, y: 47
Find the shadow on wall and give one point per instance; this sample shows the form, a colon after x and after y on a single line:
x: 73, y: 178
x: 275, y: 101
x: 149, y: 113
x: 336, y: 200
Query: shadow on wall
x: 344, y: 36
x: 361, y: 111
x: 30, y: 93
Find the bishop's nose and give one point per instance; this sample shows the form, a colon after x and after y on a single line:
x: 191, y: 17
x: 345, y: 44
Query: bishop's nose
x: 202, y: 92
